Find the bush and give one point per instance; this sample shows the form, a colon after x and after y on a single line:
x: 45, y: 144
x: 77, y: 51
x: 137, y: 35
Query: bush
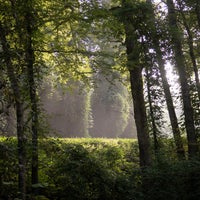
x: 174, y: 181
x: 78, y: 174
x: 89, y: 168
x: 99, y: 169
x: 8, y: 168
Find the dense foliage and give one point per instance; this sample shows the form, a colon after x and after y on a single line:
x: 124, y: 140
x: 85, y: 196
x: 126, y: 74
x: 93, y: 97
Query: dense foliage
x: 99, y: 169
x: 84, y: 42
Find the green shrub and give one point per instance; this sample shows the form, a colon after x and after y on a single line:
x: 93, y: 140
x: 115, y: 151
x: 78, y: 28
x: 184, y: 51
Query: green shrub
x: 91, y: 171
x: 99, y: 169
x: 174, y: 181
x: 78, y: 175
x: 8, y: 167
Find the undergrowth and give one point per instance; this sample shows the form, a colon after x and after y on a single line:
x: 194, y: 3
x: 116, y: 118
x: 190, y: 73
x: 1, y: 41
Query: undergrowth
x: 99, y: 169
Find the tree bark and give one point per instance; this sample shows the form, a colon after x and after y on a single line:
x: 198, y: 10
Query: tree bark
x: 136, y: 82
x: 19, y: 114
x: 154, y: 127
x: 181, y: 68
x: 140, y: 116
x: 191, y: 47
x: 30, y: 59
x: 166, y: 87
x: 170, y: 107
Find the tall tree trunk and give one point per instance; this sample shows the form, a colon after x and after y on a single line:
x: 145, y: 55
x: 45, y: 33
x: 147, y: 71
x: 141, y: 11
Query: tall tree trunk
x: 191, y: 48
x: 136, y: 81
x: 166, y: 87
x: 19, y: 114
x: 180, y: 65
x: 170, y: 107
x: 30, y: 58
x: 140, y: 116
x: 154, y: 127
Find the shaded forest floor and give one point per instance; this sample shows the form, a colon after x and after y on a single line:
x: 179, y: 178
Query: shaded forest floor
x: 100, y: 169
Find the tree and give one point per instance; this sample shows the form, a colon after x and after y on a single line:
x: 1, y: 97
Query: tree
x: 109, y: 104
x: 29, y: 22
x: 190, y: 42
x: 155, y: 37
x: 67, y: 108
x: 131, y: 27
x: 17, y: 42
x: 176, y: 41
x: 152, y: 115
x: 17, y: 93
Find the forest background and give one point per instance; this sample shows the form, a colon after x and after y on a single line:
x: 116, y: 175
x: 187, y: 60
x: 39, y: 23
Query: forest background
x: 94, y: 59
